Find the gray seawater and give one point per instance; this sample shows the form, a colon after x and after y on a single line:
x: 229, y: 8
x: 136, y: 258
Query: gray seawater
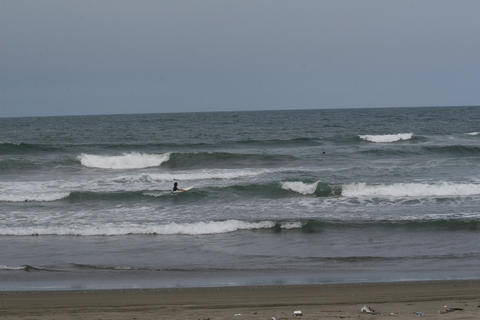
x: 280, y: 197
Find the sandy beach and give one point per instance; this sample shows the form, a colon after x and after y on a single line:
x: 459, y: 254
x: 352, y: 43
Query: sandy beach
x: 401, y: 300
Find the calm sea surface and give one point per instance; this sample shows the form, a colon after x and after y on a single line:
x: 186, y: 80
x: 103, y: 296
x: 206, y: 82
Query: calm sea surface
x: 279, y: 197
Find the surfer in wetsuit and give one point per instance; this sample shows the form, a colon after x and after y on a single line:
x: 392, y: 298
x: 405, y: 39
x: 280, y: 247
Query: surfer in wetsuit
x: 176, y: 188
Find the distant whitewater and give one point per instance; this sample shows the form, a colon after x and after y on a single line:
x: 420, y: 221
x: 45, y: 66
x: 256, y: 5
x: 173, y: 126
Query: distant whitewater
x: 133, y: 160
x: 439, y: 189
x: 385, y: 138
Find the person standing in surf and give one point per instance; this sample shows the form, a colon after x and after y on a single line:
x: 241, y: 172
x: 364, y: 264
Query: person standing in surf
x: 176, y: 188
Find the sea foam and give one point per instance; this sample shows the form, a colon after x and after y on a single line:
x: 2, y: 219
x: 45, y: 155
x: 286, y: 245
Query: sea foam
x: 476, y: 133
x: 385, y: 138
x: 133, y: 160
x: 439, y: 189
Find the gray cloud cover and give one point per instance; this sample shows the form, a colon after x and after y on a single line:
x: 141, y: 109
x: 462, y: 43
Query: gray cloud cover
x: 89, y: 57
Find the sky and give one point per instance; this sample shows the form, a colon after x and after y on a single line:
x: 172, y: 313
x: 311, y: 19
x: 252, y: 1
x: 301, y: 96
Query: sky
x: 66, y: 57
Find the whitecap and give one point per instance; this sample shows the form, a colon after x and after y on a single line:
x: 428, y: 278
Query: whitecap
x: 416, y: 190
x: 133, y: 160
x: 385, y: 138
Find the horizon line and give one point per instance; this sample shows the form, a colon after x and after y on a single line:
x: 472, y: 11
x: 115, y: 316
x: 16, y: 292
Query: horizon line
x: 239, y: 111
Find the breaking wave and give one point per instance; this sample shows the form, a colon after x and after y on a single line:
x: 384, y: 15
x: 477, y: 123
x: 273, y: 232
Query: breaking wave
x: 385, y: 138
x: 439, y: 189
x: 37, y: 197
x: 25, y: 267
x: 228, y: 226
x: 195, y: 228
x: 133, y: 160
x: 300, y: 187
x: 317, y: 188
x: 476, y: 133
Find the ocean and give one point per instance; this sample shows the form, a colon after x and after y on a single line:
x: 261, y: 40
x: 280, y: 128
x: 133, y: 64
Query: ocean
x: 279, y: 197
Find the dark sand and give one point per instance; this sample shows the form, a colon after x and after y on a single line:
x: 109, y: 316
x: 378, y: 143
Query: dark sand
x: 400, y: 300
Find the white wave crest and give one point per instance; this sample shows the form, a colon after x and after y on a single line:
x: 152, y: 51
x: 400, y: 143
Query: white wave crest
x: 300, y: 187
x: 195, y: 228
x: 5, y: 267
x: 418, y: 190
x: 21, y: 197
x: 476, y: 133
x: 383, y: 138
x: 133, y: 160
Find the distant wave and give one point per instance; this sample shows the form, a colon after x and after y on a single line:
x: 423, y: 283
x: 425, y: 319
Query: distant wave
x: 439, y: 189
x: 223, y: 159
x: 300, y: 141
x: 15, y: 148
x: 23, y: 268
x: 317, y: 188
x: 454, y: 149
x: 132, y: 160
x: 476, y: 133
x: 34, y: 196
x: 464, y: 150
x: 385, y: 138
x: 10, y: 165
x: 135, y: 160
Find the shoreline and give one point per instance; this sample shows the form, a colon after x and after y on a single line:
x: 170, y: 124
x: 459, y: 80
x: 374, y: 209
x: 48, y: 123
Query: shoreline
x: 391, y: 299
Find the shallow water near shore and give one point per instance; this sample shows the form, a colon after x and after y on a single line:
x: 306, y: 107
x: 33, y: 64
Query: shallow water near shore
x: 280, y: 197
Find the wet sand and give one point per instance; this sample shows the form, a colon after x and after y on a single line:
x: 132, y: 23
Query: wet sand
x: 401, y: 300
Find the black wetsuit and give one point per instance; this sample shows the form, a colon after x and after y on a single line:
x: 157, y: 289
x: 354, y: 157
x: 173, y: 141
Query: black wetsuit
x: 175, y: 187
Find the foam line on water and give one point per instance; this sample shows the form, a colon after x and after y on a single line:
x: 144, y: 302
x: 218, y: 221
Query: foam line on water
x: 132, y: 160
x: 386, y: 138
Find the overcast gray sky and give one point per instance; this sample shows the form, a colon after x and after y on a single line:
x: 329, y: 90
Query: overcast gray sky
x: 115, y: 56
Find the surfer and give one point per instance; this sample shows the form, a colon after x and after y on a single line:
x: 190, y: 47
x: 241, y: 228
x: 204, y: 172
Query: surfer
x: 176, y: 188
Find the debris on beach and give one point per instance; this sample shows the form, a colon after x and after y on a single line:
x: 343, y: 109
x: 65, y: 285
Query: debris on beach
x: 237, y: 314
x: 368, y: 309
x: 447, y: 309
x: 297, y: 313
x: 420, y: 314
